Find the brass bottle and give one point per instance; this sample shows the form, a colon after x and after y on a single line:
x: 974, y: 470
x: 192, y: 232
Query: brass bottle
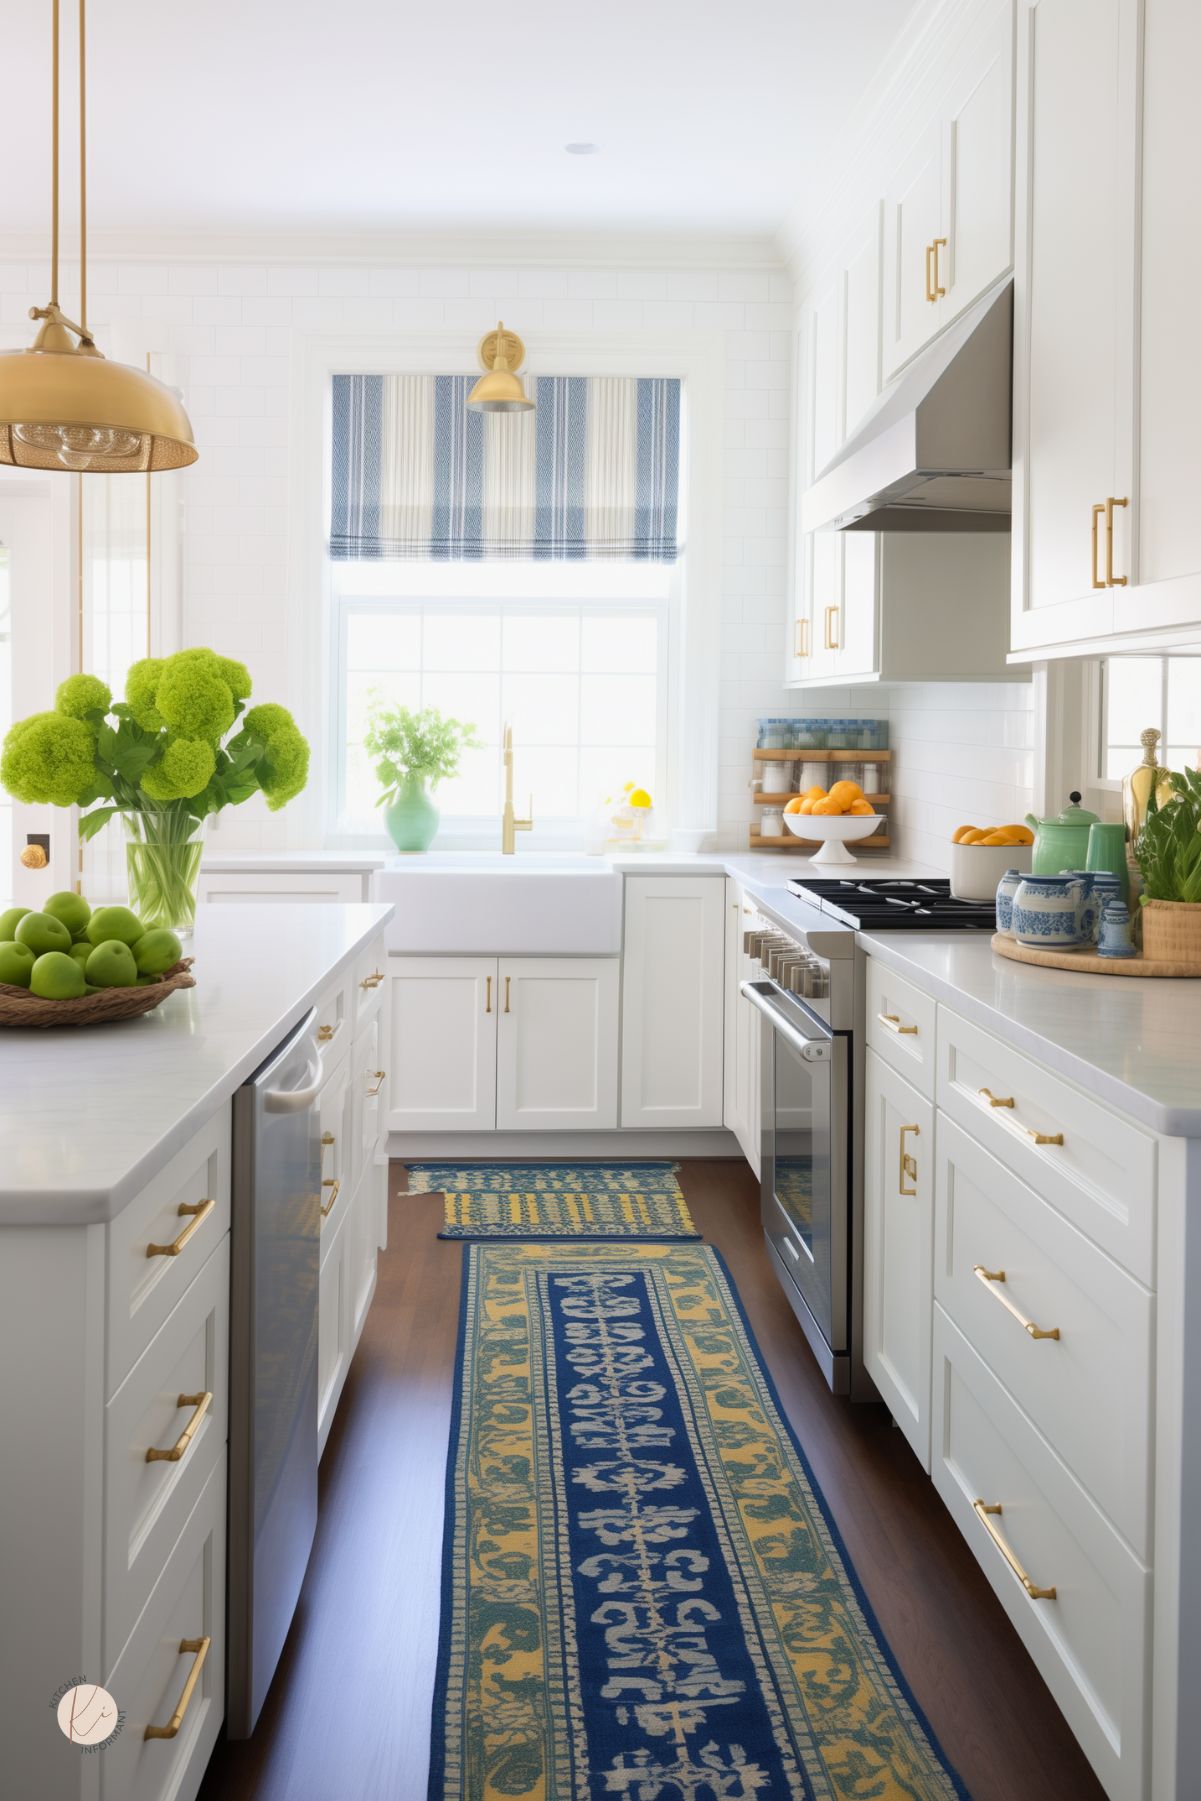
x: 1137, y: 788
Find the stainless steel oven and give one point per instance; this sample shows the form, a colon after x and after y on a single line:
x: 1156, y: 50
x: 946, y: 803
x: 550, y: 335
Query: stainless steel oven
x: 805, y: 1001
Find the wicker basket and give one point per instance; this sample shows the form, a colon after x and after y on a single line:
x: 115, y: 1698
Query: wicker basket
x: 20, y: 1008
x: 1172, y: 931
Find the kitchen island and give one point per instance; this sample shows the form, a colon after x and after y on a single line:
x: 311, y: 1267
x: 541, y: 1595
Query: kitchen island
x: 116, y: 1202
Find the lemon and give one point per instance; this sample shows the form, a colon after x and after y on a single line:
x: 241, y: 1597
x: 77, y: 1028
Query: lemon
x: 638, y: 797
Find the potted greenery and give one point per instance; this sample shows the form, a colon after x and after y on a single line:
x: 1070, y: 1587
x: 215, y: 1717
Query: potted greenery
x: 414, y: 750
x: 1168, y: 852
x: 180, y: 746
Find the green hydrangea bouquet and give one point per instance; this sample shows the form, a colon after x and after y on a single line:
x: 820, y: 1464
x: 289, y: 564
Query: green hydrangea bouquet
x: 180, y: 746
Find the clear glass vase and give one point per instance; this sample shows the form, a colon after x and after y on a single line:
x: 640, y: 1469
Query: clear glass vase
x: 162, y: 865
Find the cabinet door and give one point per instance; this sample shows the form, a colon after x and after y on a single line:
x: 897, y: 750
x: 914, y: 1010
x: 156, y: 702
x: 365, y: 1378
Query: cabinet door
x: 1169, y: 450
x: 335, y: 1329
x: 898, y: 1248
x: 825, y: 378
x: 556, y: 1059
x: 826, y: 601
x: 857, y: 632
x: 741, y: 1031
x: 339, y: 1150
x: 861, y: 322
x: 912, y: 221
x: 1073, y: 313
x: 442, y: 1068
x: 672, y: 983
x: 977, y: 205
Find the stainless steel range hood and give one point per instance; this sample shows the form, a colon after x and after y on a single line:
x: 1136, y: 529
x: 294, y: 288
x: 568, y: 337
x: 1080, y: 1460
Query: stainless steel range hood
x: 934, y: 452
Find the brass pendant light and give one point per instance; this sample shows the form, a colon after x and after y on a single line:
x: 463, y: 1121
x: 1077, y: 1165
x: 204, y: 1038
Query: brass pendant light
x: 501, y: 354
x: 62, y: 405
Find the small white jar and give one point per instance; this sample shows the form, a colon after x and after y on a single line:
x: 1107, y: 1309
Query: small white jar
x: 777, y: 778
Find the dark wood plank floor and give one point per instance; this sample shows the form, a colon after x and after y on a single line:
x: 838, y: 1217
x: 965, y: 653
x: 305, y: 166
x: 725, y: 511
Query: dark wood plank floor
x: 347, y: 1718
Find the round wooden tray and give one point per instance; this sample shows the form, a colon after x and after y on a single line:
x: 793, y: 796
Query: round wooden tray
x: 1087, y: 963
x: 20, y: 1008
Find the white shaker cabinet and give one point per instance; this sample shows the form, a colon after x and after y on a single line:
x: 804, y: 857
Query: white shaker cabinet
x: 672, y: 982
x: 742, y: 1027
x: 949, y: 207
x: 1074, y: 317
x: 556, y: 1065
x: 898, y: 1224
x: 443, y: 1054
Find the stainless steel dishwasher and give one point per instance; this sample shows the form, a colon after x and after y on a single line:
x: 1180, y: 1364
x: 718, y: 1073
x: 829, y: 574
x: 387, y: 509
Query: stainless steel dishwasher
x: 275, y: 1252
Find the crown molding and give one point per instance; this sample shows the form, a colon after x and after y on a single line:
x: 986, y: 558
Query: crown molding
x: 460, y: 249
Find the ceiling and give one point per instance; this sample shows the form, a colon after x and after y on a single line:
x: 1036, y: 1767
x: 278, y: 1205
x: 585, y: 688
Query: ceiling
x: 234, y: 116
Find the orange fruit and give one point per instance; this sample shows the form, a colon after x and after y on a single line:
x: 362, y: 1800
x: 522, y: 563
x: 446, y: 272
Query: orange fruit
x: 862, y: 808
x: 1024, y: 834
x: 828, y: 808
x: 807, y: 805
x: 845, y: 792
x: 815, y: 793
x: 975, y: 836
x: 960, y: 833
x: 796, y: 805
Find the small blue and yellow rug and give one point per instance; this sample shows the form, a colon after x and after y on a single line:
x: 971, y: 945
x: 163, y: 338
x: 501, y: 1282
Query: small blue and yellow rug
x: 643, y: 1596
x: 580, y: 1201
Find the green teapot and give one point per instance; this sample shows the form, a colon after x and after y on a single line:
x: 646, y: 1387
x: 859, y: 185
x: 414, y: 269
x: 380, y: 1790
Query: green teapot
x: 1062, y: 842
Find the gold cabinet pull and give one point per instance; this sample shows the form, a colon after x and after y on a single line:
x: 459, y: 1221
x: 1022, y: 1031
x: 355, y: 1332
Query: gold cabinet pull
x: 930, y: 294
x: 199, y: 1650
x: 800, y: 639
x: 199, y: 1211
x: 1112, y: 580
x: 831, y: 642
x: 325, y: 1033
x: 201, y: 1403
x: 995, y: 1100
x: 508, y: 979
x: 990, y: 1278
x: 893, y: 1022
x: 1097, y: 512
x: 373, y: 980
x: 379, y: 1075
x: 939, y: 291
x: 1039, y: 1137
x: 328, y: 1138
x: 908, y: 1164
x: 983, y: 1510
x: 333, y: 1183
x: 487, y: 994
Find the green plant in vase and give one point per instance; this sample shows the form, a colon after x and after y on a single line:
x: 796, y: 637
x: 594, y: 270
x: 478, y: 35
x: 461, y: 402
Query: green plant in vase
x: 414, y: 751
x: 181, y: 746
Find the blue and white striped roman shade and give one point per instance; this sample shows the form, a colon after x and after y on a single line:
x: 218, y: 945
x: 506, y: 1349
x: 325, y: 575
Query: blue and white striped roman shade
x: 592, y: 472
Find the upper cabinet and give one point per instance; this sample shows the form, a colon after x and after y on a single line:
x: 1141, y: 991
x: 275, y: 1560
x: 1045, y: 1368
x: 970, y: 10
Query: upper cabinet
x: 948, y: 211
x: 1107, y: 363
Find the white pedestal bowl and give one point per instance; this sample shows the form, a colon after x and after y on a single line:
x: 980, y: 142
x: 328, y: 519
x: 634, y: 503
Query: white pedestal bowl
x: 834, y: 831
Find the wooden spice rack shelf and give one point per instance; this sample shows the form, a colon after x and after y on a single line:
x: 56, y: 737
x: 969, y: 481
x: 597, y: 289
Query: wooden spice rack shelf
x: 879, y: 841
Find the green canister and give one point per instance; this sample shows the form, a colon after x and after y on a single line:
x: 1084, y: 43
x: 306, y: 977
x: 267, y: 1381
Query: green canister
x: 1107, y: 851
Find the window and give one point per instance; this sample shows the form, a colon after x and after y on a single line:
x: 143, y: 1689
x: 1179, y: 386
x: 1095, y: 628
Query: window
x: 1137, y: 692
x: 576, y: 656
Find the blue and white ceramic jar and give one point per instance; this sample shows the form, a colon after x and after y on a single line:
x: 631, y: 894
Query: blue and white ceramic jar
x: 1007, y: 887
x: 1047, y: 911
x: 1115, y: 938
x: 1100, y: 887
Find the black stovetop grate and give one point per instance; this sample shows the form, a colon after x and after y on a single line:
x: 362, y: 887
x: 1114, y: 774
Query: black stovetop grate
x: 892, y: 904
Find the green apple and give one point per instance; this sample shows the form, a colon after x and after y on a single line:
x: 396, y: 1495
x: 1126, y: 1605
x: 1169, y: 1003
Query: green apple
x: 81, y: 953
x: 42, y: 932
x: 111, y: 965
x: 115, y: 922
x: 72, y: 909
x: 16, y: 962
x: 9, y: 922
x: 57, y: 977
x: 157, y: 951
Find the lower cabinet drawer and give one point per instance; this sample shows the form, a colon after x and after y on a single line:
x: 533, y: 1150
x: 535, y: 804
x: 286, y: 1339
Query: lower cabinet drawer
x: 152, y: 1683
x: 1001, y: 1253
x: 175, y: 1401
x: 157, y: 1244
x: 1076, y: 1595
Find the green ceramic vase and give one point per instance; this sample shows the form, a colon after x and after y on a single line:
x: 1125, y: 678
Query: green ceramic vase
x: 412, y: 819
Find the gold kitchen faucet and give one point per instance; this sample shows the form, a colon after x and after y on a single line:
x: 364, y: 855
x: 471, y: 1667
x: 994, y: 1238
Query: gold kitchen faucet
x: 510, y: 825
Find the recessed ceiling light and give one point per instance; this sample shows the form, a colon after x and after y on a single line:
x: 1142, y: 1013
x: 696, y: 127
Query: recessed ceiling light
x: 582, y: 149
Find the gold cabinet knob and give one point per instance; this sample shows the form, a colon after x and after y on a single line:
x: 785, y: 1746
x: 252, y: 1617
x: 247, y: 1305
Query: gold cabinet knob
x: 34, y: 857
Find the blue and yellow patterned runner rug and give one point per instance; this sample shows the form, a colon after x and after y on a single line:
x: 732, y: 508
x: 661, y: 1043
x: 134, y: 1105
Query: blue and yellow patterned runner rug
x: 579, y: 1201
x: 642, y: 1594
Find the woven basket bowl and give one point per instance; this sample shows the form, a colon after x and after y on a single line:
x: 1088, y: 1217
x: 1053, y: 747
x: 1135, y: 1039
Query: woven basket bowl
x: 20, y: 1008
x: 1172, y: 931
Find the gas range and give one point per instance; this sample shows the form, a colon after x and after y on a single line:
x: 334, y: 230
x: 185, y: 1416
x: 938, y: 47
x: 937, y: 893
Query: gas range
x: 890, y: 904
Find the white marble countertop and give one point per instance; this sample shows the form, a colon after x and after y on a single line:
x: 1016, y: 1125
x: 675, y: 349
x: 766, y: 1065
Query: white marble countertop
x: 87, y: 1116
x: 1132, y: 1041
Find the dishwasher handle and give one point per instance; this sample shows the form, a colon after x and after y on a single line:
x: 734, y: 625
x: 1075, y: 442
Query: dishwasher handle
x: 298, y: 1100
x: 816, y: 1049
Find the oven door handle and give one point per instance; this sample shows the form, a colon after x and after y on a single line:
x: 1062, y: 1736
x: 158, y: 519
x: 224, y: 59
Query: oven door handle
x: 813, y: 1050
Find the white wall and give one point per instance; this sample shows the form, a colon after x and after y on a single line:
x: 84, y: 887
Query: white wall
x: 963, y: 754
x: 233, y: 327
